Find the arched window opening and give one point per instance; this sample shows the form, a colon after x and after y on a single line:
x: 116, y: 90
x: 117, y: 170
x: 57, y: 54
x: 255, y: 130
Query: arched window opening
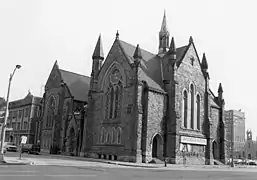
x: 198, y: 111
x: 114, y: 96
x: 185, y: 108
x: 118, y: 135
x: 113, y: 136
x: 111, y: 103
x: 192, y: 106
x: 50, y: 112
x: 103, y: 135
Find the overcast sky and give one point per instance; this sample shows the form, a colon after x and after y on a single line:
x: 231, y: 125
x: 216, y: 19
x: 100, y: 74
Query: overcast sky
x: 35, y: 33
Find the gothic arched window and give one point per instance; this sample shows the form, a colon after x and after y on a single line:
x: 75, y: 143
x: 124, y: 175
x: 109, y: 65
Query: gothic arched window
x: 114, y: 96
x: 192, y: 106
x: 185, y: 108
x: 118, y: 135
x: 198, y: 111
x: 113, y: 136
x: 102, y: 135
x: 50, y: 112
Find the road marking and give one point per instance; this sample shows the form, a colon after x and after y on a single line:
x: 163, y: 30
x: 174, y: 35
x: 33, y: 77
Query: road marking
x: 16, y: 175
x: 71, y: 175
x: 21, y: 171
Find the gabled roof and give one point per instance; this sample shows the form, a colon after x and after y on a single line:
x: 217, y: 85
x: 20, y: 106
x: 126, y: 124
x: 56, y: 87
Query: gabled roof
x: 150, y: 70
x: 78, y: 84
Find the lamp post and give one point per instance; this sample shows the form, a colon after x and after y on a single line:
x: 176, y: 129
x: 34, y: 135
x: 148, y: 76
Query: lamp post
x: 6, y: 114
x: 232, y: 143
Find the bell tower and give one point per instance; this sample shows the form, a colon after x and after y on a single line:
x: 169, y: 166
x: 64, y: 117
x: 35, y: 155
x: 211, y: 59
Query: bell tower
x: 164, y: 36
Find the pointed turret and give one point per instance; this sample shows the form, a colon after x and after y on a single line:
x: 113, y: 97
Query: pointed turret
x: 98, y: 57
x: 137, y: 53
x: 164, y: 36
x: 220, y: 93
x: 117, y: 34
x: 137, y: 56
x: 172, y: 46
x: 204, y: 63
x: 98, y: 52
x: 220, y: 90
x: 191, y: 40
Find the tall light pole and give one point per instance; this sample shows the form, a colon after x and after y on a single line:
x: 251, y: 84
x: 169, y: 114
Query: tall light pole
x: 6, y: 114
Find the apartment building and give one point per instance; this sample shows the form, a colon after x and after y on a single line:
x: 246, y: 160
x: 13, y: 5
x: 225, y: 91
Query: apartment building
x: 24, y: 115
x: 235, y: 119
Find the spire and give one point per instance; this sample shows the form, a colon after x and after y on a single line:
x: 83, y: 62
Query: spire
x: 164, y: 28
x: 172, y: 46
x: 204, y: 62
x: 163, y: 36
x: 98, y: 52
x: 220, y: 90
x: 137, y: 53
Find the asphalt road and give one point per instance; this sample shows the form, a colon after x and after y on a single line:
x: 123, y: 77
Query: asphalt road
x: 13, y: 172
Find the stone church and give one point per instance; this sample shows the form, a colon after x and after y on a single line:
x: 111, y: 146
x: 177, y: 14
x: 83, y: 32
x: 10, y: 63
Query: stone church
x: 64, y: 112
x: 144, y: 106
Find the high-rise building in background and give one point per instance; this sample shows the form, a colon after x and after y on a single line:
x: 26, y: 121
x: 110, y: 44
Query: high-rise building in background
x: 235, y: 119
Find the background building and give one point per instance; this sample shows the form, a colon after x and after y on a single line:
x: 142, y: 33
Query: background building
x: 249, y: 150
x: 64, y: 101
x: 235, y: 119
x: 23, y: 115
x: 2, y: 112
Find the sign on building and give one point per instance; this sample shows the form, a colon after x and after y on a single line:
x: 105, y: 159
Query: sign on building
x: 193, y: 140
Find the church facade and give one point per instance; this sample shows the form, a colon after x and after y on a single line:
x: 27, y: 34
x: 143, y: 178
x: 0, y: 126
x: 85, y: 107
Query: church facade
x: 144, y: 106
x: 64, y: 112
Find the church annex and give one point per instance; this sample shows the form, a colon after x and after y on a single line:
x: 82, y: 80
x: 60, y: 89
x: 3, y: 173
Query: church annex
x: 144, y: 106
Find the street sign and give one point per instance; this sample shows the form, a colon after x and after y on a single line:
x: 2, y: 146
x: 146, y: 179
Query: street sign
x: 23, y: 139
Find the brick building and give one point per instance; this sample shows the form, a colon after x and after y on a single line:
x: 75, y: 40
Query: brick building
x: 235, y: 119
x: 64, y: 104
x: 23, y: 116
x: 145, y: 106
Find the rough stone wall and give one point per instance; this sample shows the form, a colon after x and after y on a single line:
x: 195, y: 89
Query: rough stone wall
x: 155, y: 122
x: 52, y: 89
x: 127, y: 149
x: 186, y: 75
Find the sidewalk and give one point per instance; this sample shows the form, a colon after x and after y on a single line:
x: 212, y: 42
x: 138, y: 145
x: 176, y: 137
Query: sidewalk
x: 142, y: 165
x: 16, y: 161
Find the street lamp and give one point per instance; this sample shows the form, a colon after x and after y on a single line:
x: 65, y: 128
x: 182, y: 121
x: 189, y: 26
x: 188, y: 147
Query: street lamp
x: 6, y: 114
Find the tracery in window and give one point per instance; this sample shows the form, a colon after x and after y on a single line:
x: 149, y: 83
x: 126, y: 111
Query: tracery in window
x: 118, y: 135
x: 114, y: 96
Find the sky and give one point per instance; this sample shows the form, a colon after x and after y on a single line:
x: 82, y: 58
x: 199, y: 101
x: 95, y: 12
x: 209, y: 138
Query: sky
x: 35, y: 33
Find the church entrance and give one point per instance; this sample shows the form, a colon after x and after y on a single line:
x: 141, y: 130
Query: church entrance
x: 157, y: 147
x: 214, y: 150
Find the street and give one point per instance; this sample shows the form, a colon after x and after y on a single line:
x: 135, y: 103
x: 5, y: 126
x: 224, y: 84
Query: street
x: 78, y: 173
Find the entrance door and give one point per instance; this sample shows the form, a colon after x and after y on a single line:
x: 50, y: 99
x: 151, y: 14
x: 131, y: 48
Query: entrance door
x: 157, y: 147
x: 214, y: 150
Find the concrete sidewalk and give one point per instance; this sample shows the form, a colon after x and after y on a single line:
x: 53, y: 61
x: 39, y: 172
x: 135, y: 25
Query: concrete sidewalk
x: 16, y: 161
x: 142, y: 165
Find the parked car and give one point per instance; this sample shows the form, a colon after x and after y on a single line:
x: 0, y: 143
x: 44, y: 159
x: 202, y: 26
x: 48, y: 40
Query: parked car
x: 31, y: 148
x: 10, y: 146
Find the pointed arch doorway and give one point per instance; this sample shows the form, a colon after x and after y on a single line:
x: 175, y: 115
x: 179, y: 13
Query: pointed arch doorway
x: 157, y: 146
x: 214, y: 150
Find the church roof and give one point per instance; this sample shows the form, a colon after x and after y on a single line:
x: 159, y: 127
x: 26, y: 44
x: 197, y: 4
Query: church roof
x: 78, y: 84
x: 150, y: 69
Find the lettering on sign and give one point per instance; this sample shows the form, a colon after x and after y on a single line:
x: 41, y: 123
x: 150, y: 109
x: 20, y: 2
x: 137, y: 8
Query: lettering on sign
x: 193, y: 140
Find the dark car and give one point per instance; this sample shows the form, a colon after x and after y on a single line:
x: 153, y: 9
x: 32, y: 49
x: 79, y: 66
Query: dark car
x: 31, y: 148
x: 10, y: 146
